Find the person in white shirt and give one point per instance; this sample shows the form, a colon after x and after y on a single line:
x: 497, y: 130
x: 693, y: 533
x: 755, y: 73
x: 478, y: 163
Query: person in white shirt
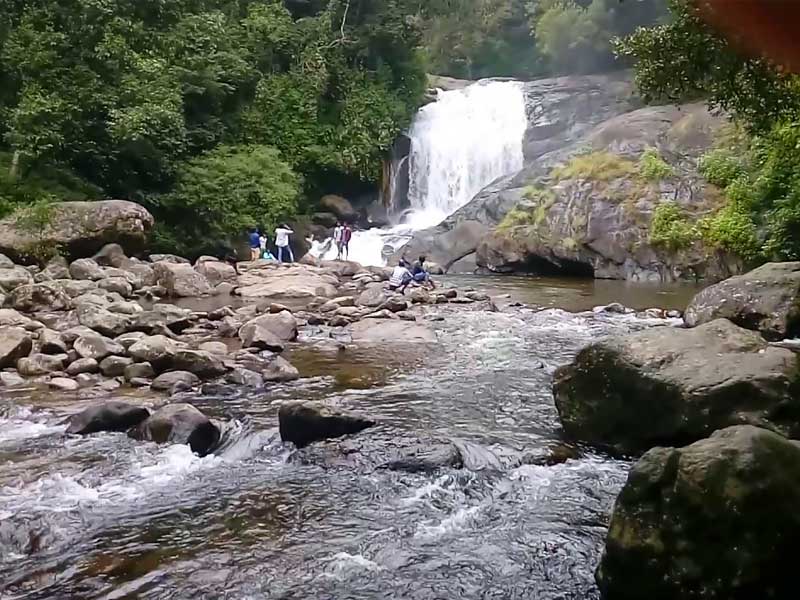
x: 282, y: 234
x: 400, y: 278
x: 338, y: 239
x: 262, y: 241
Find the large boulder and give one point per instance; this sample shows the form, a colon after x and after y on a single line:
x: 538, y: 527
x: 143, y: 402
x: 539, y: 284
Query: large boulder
x: 40, y: 297
x: 157, y: 350
x: 668, y: 385
x: 15, y: 343
x: 86, y: 269
x: 304, y: 423
x: 179, y: 424
x: 717, y: 519
x: 13, y: 277
x: 267, y: 331
x: 97, y: 347
x: 108, y: 416
x: 102, y: 321
x: 203, y: 364
x: 216, y: 272
x: 80, y: 229
x: 373, y: 296
x: 181, y: 280
x: 294, y: 281
x: 340, y: 207
x: 766, y: 299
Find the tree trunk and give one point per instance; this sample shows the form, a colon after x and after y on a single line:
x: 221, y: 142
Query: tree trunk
x: 14, y: 170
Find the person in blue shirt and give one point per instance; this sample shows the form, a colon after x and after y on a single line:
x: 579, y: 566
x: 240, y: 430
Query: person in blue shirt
x: 255, y: 244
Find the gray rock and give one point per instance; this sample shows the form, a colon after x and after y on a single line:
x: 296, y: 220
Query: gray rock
x: 168, y: 258
x: 126, y: 340
x: 156, y: 350
x: 268, y: 332
x: 50, y: 342
x: 82, y: 365
x: 181, y: 280
x: 5, y: 262
x: 63, y: 384
x: 114, y: 366
x: 664, y: 385
x: 13, y: 277
x: 304, y: 423
x: 73, y: 333
x: 80, y: 228
x: 101, y: 320
x: 245, y: 377
x: 125, y: 308
x: 112, y: 255
x: 765, y: 300
x: 41, y: 364
x: 280, y: 370
x: 217, y: 272
x: 119, y: 285
x: 86, y: 269
x: 214, y: 348
x: 15, y: 343
x: 202, y: 364
x: 139, y: 371
x: 97, y: 347
x: 717, y: 519
x: 8, y: 379
x: 36, y: 297
x: 395, y: 304
x: 220, y: 313
x: 339, y: 321
x: 166, y: 381
x: 340, y: 207
x: 372, y: 297
x: 12, y: 318
x: 179, y: 424
x: 75, y: 288
x: 161, y: 317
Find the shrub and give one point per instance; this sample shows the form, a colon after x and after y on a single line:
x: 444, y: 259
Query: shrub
x: 670, y: 228
x: 720, y: 167
x: 654, y: 168
x: 732, y: 229
x: 597, y: 166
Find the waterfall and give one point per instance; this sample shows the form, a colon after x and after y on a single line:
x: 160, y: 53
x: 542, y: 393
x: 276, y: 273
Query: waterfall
x: 459, y: 144
x: 463, y: 142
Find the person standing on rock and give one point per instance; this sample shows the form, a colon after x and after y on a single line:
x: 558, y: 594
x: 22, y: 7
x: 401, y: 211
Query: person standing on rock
x: 282, y: 234
x: 347, y: 235
x: 255, y: 244
x: 338, y: 233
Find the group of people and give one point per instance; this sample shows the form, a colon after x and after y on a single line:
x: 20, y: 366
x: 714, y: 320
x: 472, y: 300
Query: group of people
x: 342, y: 234
x: 405, y: 273
x: 259, y: 244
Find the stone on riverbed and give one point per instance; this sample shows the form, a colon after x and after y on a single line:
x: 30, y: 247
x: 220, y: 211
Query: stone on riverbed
x: 101, y: 320
x: 282, y: 326
x: 294, y: 281
x: 280, y: 370
x: 50, y: 342
x: 12, y: 318
x: 97, y: 347
x: 766, y: 299
x: 13, y: 277
x: 668, y: 385
x: 63, y: 384
x: 156, y: 350
x: 139, y: 371
x: 179, y: 424
x: 202, y: 364
x: 181, y: 280
x: 304, y: 423
x: 114, y: 366
x: 15, y: 343
x: 166, y: 381
x: 108, y: 416
x: 378, y: 331
x: 717, y: 519
x: 83, y: 365
x: 86, y: 269
x: 41, y: 364
x: 38, y: 297
x: 216, y: 272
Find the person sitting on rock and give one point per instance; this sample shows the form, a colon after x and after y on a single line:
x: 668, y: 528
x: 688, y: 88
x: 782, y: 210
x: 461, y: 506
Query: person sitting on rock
x: 420, y: 273
x: 400, y: 278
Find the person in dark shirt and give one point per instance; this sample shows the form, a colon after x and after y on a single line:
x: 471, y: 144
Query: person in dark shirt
x: 255, y: 244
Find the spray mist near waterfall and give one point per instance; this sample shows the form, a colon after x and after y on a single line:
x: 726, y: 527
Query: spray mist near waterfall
x: 460, y: 144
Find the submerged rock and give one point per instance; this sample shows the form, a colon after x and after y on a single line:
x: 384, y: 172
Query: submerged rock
x: 179, y: 424
x: 717, y: 519
x: 303, y: 423
x: 166, y: 381
x: 766, y: 299
x: 668, y: 385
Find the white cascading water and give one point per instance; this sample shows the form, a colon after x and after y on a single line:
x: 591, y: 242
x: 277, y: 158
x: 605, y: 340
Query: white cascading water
x: 459, y: 144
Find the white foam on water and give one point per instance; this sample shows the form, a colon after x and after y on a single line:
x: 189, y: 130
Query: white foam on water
x: 343, y: 564
x: 24, y: 424
x: 458, y: 521
x: 429, y: 490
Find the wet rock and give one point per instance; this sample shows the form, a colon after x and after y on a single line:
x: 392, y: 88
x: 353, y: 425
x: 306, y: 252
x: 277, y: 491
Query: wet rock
x: 182, y: 281
x: 339, y: 321
x: 11, y: 379
x: 214, y: 348
x: 86, y: 269
x: 216, y: 272
x: 39, y: 297
x: 282, y: 326
x: 161, y: 317
x: 15, y: 343
x: 766, y: 299
x: 50, y: 342
x: 63, y: 384
x: 373, y: 331
x: 351, y: 312
x: 125, y: 308
x: 41, y: 364
x: 179, y: 424
x: 372, y: 297
x: 166, y: 381
x: 156, y: 350
x: 114, y: 366
x: 126, y: 340
x: 108, y: 416
x: 102, y: 320
x: 140, y: 382
x: 340, y: 207
x: 615, y: 308
x: 426, y: 458
x: 304, y: 423
x: 717, y: 519
x: 220, y: 313
x: 139, y: 371
x: 280, y: 370
x: 97, y: 347
x: 294, y: 281
x: 245, y: 377
x: 449, y: 294
x: 630, y: 393
x: 118, y: 285
x: 477, y: 296
x: 202, y: 364
x: 81, y: 366
x: 13, y: 277
x: 276, y: 309
x: 12, y: 318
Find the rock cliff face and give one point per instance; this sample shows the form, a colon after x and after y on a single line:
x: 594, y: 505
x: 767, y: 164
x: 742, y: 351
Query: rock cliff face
x: 581, y: 204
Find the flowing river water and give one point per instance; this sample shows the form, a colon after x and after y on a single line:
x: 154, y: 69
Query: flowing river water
x: 106, y: 517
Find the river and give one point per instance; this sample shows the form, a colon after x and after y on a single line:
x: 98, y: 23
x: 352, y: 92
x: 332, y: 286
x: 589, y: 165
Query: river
x: 107, y: 517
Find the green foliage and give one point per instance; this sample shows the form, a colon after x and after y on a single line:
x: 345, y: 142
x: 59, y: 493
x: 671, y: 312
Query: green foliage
x: 732, y: 229
x: 670, y: 227
x: 531, y: 212
x: 34, y: 219
x: 517, y: 217
x: 654, y: 168
x: 596, y: 166
x: 720, y: 167
x: 227, y: 191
